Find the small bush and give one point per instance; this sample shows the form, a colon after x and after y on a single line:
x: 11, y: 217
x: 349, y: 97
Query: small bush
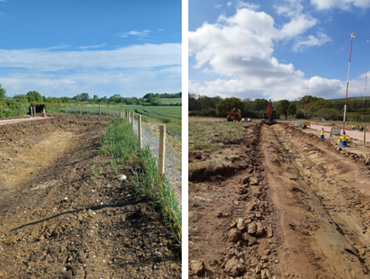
x: 9, y: 108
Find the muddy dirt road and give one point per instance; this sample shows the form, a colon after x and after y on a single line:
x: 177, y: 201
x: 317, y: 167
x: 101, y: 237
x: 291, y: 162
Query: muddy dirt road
x: 300, y: 209
x: 60, y: 220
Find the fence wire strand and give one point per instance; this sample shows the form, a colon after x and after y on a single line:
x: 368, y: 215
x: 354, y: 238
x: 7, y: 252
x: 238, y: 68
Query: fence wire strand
x: 149, y: 138
x: 172, y: 156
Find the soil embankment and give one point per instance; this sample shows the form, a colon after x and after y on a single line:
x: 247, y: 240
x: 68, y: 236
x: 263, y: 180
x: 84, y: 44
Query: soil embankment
x: 60, y: 218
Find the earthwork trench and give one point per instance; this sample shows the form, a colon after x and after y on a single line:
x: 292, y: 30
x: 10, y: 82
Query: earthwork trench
x: 297, y: 208
x: 322, y: 205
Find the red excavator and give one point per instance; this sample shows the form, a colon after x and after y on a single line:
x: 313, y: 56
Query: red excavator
x: 269, y: 116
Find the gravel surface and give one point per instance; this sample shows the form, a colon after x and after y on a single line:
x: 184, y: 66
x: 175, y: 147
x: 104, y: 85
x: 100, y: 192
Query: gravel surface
x: 172, y: 159
x: 355, y: 134
x: 16, y: 120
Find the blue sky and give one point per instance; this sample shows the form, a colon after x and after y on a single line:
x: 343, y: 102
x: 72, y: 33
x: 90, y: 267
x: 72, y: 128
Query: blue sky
x: 63, y: 48
x: 268, y: 48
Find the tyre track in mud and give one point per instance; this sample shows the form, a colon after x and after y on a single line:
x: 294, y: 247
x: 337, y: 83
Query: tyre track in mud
x: 231, y: 221
x: 322, y: 206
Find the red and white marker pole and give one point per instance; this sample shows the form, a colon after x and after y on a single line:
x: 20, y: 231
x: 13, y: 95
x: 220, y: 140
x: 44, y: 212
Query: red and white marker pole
x: 363, y: 103
x: 349, y: 66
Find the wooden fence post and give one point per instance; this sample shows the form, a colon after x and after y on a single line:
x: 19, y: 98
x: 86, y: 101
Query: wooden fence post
x: 132, y: 116
x: 65, y: 109
x: 99, y: 110
x: 139, y: 130
x: 364, y: 136
x: 162, y: 148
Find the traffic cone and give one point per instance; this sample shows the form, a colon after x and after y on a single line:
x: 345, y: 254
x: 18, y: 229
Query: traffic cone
x: 322, y: 134
x: 43, y: 112
x: 344, y: 140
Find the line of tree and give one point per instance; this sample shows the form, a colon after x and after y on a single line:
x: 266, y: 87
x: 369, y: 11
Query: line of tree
x: 317, y: 108
x: 149, y: 99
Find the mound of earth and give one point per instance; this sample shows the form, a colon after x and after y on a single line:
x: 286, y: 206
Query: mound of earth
x: 60, y: 218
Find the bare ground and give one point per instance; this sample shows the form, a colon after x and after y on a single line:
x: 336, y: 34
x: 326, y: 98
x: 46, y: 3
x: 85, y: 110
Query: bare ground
x: 59, y: 220
x: 300, y: 208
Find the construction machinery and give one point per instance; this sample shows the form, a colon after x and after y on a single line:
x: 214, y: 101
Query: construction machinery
x: 235, y: 114
x: 269, y: 116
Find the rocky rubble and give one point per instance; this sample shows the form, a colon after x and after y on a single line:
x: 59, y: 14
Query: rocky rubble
x: 250, y: 252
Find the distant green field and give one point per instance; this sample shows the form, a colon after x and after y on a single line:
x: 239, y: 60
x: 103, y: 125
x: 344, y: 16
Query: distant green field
x: 170, y: 100
x: 169, y: 115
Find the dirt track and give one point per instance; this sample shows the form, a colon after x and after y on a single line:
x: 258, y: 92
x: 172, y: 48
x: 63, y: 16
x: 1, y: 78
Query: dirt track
x: 299, y: 209
x: 58, y: 220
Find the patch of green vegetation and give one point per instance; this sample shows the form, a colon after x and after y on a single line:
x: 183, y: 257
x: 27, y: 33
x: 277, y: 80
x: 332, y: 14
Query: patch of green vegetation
x: 170, y: 100
x: 207, y: 135
x: 168, y: 115
x: 171, y: 116
x: 96, y: 170
x: 9, y: 108
x: 121, y: 144
x: 159, y: 190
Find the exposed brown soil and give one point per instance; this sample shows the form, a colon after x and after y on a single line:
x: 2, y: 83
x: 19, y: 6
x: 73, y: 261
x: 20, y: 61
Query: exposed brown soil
x: 58, y: 220
x: 300, y: 209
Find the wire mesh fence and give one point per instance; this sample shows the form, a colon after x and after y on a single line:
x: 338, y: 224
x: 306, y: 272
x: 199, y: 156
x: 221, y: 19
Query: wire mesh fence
x: 172, y: 155
x: 150, y: 137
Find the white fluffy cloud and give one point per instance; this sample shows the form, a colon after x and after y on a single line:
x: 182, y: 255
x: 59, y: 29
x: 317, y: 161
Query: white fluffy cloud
x: 340, y: 4
x: 55, y: 72
x: 239, y: 50
x: 312, y: 41
x: 136, y: 56
x: 240, y: 4
x: 143, y: 33
x: 126, y: 83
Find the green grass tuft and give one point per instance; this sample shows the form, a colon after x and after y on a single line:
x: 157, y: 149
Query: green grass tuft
x: 121, y: 143
x: 159, y: 191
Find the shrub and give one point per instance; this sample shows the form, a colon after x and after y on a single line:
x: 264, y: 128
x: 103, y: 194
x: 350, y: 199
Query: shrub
x: 10, y: 108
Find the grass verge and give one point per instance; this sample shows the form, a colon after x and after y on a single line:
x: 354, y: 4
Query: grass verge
x: 121, y: 144
x: 159, y: 191
x: 207, y: 135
